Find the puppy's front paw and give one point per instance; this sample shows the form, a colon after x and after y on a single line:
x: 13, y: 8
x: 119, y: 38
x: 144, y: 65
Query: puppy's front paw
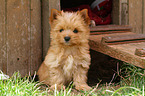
x: 83, y: 87
x: 57, y: 87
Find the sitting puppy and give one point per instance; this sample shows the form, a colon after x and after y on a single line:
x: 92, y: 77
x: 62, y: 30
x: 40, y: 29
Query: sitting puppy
x: 68, y: 57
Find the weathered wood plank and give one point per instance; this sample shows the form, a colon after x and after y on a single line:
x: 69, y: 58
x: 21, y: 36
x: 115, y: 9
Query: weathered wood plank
x: 120, y: 12
x: 47, y: 5
x: 129, y: 38
x: 18, y: 28
x: 116, y: 12
x: 36, y: 36
x: 110, y: 28
x: 108, y: 32
x: 55, y: 4
x: 135, y: 15
x: 124, y: 12
x: 143, y: 16
x: 3, y: 53
x: 124, y: 52
x: 46, y: 26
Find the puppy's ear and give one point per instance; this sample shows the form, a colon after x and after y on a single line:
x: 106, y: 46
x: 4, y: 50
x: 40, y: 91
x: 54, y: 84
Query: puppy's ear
x: 53, y: 15
x: 84, y: 14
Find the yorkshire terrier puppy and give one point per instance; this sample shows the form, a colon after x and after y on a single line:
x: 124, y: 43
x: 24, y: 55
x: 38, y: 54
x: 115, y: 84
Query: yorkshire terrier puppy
x: 68, y: 57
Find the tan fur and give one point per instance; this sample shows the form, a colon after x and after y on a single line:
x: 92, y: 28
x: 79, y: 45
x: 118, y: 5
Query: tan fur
x: 67, y: 61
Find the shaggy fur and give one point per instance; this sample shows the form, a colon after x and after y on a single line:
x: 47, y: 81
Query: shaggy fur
x: 67, y: 60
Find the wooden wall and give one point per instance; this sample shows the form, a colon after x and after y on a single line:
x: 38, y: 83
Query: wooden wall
x: 137, y: 15
x: 130, y: 12
x: 20, y: 36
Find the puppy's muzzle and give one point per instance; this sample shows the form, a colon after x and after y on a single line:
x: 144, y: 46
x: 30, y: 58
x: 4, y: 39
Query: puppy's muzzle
x: 67, y: 39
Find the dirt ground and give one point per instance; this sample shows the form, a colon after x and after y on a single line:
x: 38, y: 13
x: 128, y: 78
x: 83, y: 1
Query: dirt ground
x: 102, y: 68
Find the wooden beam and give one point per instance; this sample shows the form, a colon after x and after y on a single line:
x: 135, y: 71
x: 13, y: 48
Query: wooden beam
x: 45, y: 26
x: 123, y: 39
x: 124, y: 12
x: 120, y: 12
x: 18, y: 37
x: 110, y: 28
x: 3, y: 37
x: 116, y: 12
x: 143, y: 16
x: 136, y: 15
x: 36, y: 41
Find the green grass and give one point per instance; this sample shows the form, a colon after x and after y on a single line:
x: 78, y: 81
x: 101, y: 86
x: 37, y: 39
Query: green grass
x: 132, y: 84
x: 17, y: 86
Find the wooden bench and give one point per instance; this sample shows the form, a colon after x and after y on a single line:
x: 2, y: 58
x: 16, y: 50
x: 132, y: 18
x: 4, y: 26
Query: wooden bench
x: 124, y: 52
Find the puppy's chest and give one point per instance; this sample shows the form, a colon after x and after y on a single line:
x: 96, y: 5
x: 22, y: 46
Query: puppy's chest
x: 69, y: 62
x: 68, y: 65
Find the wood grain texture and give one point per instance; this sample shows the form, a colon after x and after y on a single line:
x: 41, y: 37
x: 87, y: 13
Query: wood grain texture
x: 143, y: 16
x: 36, y: 35
x: 123, y: 38
x: 110, y: 28
x: 106, y: 29
x: 3, y: 37
x: 116, y: 12
x: 46, y: 26
x: 20, y: 36
x: 120, y: 12
x: 18, y: 27
x: 124, y: 12
x: 136, y: 15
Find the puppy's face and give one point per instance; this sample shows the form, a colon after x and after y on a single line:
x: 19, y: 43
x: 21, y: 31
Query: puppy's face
x: 69, y: 28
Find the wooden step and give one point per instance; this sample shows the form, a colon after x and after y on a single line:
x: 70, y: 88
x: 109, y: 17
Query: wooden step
x: 122, y: 39
x: 123, y: 52
x: 106, y: 29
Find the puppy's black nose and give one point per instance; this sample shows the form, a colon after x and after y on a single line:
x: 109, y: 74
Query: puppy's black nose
x: 67, y: 38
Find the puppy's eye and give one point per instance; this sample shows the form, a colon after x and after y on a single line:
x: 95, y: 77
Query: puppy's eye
x: 75, y: 31
x: 61, y: 30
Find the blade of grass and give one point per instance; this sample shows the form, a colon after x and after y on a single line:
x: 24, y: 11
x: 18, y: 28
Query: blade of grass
x: 124, y: 88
